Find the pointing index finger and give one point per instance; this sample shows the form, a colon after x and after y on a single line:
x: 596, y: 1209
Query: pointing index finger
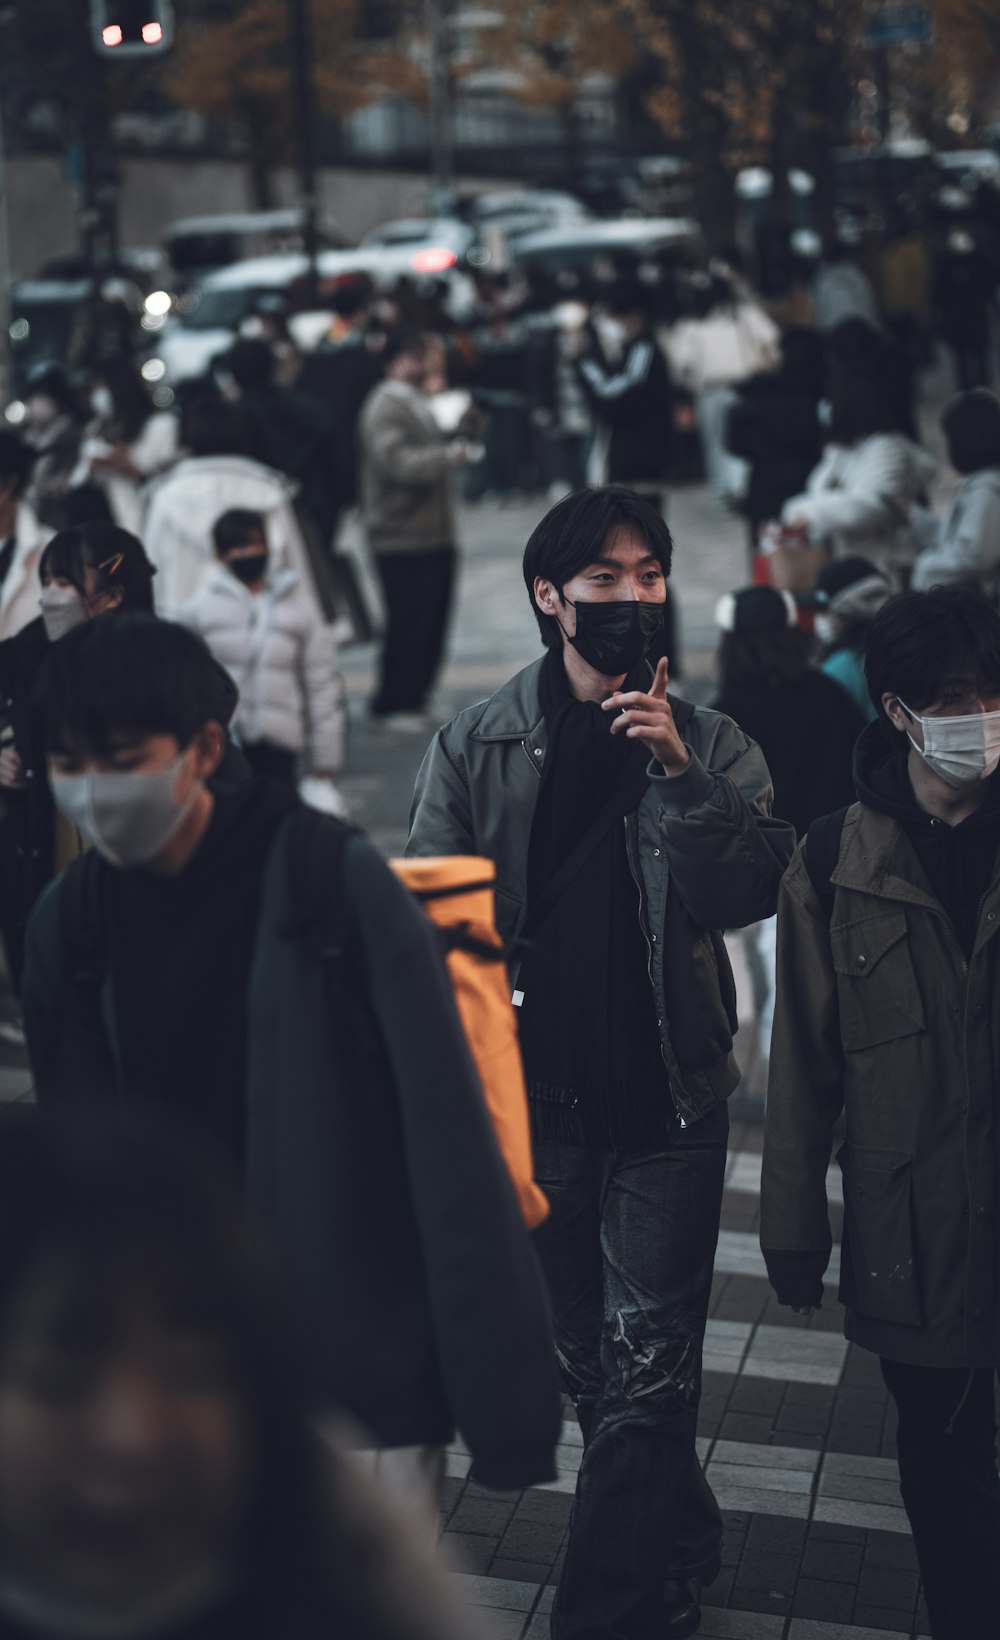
x: 662, y: 677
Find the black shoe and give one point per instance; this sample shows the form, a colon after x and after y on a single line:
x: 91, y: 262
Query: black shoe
x: 681, y: 1613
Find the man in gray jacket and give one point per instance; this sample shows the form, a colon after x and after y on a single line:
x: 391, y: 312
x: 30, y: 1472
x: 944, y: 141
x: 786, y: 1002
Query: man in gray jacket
x: 628, y: 828
x: 406, y: 501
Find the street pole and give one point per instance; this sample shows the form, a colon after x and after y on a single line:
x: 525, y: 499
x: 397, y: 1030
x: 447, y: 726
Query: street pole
x: 5, y: 277
x: 305, y: 133
x: 439, y: 86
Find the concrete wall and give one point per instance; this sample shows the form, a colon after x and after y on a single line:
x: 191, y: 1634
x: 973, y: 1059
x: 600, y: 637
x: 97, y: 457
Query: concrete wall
x: 43, y: 209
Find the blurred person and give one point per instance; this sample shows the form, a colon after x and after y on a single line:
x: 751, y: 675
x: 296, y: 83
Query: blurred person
x: 631, y: 400
x: 81, y: 574
x: 858, y: 497
x: 127, y: 442
x: 571, y: 431
x: 842, y: 290
x: 409, y: 519
x: 22, y: 537
x: 628, y: 828
x: 53, y: 430
x: 340, y: 374
x: 964, y: 301
x: 964, y: 545
x: 260, y: 627
x: 269, y: 323
x: 856, y: 345
x: 217, y: 473
x: 159, y: 1475
x: 773, y: 425
x: 255, y: 965
x: 727, y: 340
x: 886, y: 1032
x: 291, y: 431
x: 849, y: 594
x: 804, y: 724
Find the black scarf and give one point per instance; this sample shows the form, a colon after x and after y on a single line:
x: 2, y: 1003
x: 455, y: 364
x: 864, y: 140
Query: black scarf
x: 588, y: 1020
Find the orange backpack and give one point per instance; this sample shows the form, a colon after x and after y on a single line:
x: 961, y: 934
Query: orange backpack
x: 456, y: 892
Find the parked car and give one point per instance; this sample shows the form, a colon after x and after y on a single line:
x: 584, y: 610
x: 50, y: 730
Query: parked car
x: 199, y: 245
x: 576, y: 247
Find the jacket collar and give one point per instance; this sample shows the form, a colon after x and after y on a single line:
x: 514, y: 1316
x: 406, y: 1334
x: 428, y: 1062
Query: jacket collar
x: 882, y: 864
x: 515, y: 713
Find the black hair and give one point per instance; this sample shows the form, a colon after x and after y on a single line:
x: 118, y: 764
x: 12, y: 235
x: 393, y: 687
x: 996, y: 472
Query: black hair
x: 16, y: 460
x: 351, y: 297
x: 250, y: 362
x: 776, y: 655
x: 628, y: 297
x: 971, y: 424
x: 125, y: 678
x: 572, y: 535
x: 233, y: 528
x: 117, y: 558
x: 859, y: 407
x: 211, y: 426
x: 135, y: 1206
x: 407, y: 339
x: 919, y: 641
x: 132, y: 404
x: 53, y: 381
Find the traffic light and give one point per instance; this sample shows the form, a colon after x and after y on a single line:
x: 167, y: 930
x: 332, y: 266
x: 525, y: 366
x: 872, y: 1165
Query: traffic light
x: 131, y: 28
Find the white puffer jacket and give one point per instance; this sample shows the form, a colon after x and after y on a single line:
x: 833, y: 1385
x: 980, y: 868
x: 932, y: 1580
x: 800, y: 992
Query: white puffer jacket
x: 183, y: 507
x: 857, y: 499
x: 282, y: 658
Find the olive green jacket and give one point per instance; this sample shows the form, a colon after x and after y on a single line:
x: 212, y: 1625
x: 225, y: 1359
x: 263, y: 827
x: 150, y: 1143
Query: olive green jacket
x: 880, y: 1018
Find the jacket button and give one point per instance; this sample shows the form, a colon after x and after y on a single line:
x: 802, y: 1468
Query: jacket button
x: 538, y: 751
x: 653, y: 938
x: 862, y: 960
x: 991, y: 916
x: 656, y: 854
x: 29, y: 774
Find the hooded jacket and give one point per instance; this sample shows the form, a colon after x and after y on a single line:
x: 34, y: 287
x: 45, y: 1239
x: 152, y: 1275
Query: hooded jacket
x: 283, y: 659
x: 856, y: 499
x: 888, y: 1011
x: 703, y: 847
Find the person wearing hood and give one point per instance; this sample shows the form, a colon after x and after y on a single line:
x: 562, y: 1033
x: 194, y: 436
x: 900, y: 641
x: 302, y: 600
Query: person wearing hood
x: 260, y: 627
x: 888, y: 1016
x: 964, y: 545
x: 849, y: 594
x: 858, y: 498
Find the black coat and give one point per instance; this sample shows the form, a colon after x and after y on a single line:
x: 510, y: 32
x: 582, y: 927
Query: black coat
x: 635, y: 400
x: 774, y: 426
x: 369, y: 1154
x: 806, y: 731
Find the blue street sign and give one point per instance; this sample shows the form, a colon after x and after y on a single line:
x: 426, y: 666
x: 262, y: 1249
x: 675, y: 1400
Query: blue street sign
x: 894, y: 25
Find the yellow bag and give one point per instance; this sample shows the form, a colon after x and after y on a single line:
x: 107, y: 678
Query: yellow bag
x: 456, y: 891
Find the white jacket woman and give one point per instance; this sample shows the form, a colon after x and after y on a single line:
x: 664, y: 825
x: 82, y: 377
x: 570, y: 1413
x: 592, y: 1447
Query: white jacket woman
x: 858, y: 499
x: 964, y: 545
x: 283, y: 658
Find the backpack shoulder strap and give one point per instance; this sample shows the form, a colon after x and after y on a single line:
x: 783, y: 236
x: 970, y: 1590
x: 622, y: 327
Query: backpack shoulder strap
x: 316, y: 844
x: 822, y: 852
x: 81, y: 921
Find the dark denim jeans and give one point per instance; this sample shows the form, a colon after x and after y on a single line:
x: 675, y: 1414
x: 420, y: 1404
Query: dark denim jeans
x: 628, y: 1255
x: 948, y: 1480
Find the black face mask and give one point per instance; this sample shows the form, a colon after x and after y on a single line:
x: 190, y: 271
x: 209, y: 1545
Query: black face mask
x: 248, y: 569
x: 613, y: 637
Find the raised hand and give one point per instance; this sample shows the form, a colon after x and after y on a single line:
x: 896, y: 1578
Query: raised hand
x: 647, y: 717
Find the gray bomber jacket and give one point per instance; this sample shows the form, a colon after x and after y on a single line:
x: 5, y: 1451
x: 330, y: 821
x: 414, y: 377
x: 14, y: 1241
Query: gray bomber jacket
x: 704, y: 849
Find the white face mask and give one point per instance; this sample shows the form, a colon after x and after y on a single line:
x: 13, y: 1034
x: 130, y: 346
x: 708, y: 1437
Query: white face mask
x: 825, y: 628
x: 960, y: 750
x: 129, y: 818
x: 62, y: 609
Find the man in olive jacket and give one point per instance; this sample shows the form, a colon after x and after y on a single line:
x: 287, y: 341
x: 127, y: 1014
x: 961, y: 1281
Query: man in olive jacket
x: 228, y: 952
x: 888, y: 1011
x: 628, y: 828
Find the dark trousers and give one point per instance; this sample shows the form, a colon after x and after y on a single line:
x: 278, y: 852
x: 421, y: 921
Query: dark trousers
x: 628, y: 1255
x: 417, y: 588
x: 951, y: 1492
x: 272, y: 761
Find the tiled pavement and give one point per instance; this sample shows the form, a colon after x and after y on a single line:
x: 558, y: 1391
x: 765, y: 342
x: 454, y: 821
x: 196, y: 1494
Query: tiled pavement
x: 797, y: 1435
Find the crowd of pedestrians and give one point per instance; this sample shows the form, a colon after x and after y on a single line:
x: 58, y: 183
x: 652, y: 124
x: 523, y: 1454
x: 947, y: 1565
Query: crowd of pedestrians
x: 273, y: 1234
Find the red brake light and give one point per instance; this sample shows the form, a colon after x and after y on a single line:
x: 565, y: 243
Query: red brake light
x: 152, y: 33
x: 112, y: 35
x: 435, y: 259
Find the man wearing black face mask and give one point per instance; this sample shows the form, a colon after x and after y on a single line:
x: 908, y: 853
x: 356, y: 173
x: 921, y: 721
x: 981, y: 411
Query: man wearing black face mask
x: 628, y: 828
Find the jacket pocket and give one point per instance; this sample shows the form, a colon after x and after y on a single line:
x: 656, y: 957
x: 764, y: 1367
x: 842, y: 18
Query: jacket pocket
x: 877, y: 990
x: 878, y: 1276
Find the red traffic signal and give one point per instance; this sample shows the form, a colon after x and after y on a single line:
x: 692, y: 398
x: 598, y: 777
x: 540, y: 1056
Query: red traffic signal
x: 131, y: 28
